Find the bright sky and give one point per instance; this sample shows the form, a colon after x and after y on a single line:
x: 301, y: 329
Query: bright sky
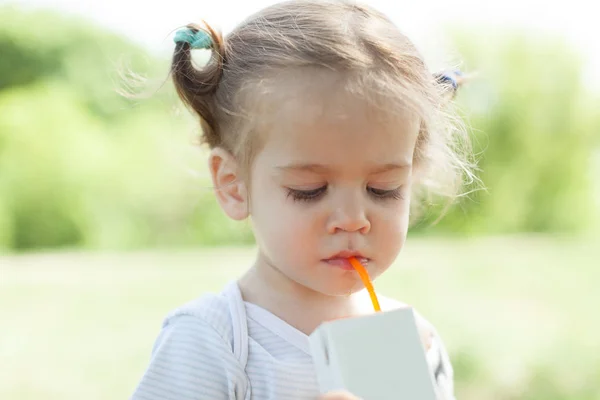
x: 151, y: 23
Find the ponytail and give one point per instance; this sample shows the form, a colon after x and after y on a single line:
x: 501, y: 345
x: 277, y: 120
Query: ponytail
x: 197, y: 87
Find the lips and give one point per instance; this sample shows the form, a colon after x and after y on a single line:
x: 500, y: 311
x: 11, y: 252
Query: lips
x: 340, y: 260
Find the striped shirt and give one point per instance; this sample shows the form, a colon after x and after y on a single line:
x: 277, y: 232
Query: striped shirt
x: 219, y: 347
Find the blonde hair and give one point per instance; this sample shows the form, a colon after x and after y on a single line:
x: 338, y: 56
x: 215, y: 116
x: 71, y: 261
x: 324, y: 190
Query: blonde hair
x: 353, y: 40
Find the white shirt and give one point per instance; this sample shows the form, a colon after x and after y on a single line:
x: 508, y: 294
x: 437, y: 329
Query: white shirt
x: 220, y: 347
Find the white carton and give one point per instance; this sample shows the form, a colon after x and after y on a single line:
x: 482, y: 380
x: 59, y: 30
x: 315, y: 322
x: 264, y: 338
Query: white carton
x: 375, y: 357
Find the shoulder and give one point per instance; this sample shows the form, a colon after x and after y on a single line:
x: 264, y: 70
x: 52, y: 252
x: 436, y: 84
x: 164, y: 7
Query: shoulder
x: 437, y: 355
x: 192, y: 357
x: 438, y: 358
x: 209, y: 312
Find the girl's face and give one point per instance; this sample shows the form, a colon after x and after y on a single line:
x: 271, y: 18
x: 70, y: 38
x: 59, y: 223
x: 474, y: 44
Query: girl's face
x: 330, y: 181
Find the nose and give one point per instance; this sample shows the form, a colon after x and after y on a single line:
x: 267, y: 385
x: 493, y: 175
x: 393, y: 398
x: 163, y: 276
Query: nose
x: 349, y: 217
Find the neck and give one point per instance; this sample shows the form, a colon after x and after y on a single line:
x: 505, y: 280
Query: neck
x: 298, y: 305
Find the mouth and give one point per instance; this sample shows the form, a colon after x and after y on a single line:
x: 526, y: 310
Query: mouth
x: 340, y: 260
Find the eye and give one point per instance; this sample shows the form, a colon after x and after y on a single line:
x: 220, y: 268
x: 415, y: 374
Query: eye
x: 382, y: 194
x: 306, y: 195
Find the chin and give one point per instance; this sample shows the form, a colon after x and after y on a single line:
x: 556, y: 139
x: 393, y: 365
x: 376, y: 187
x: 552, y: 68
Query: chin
x: 341, y: 288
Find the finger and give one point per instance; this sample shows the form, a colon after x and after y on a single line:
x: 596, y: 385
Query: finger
x: 339, y: 395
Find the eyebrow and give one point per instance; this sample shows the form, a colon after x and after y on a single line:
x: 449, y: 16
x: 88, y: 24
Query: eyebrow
x: 320, y: 168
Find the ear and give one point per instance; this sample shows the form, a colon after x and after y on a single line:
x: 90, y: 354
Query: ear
x: 230, y: 189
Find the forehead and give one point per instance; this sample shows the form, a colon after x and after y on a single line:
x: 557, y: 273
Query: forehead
x: 320, y: 121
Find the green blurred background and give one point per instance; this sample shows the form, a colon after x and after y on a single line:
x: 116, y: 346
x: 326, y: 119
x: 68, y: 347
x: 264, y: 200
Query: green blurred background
x: 107, y: 220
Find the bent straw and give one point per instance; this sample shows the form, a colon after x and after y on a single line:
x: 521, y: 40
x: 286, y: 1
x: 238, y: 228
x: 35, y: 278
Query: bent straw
x: 364, y: 275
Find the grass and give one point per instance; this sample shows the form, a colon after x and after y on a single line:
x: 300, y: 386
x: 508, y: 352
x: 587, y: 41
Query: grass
x: 519, y: 315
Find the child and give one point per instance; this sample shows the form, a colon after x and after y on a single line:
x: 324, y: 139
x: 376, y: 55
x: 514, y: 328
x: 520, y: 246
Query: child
x: 323, y: 124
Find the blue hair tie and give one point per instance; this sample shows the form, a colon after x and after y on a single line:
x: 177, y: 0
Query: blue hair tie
x: 197, y: 39
x: 445, y: 78
x: 449, y: 78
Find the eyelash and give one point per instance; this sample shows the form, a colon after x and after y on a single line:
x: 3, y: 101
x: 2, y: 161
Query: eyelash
x: 395, y: 194
x: 306, y: 195
x: 315, y: 194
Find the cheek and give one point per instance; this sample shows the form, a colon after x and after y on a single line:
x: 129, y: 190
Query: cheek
x: 394, y: 225
x: 291, y: 240
x: 282, y: 226
x: 296, y: 224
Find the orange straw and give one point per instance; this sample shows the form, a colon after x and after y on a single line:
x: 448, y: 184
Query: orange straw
x: 364, y: 275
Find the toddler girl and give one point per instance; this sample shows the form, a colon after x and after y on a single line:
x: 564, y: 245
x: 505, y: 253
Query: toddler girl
x: 324, y: 124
